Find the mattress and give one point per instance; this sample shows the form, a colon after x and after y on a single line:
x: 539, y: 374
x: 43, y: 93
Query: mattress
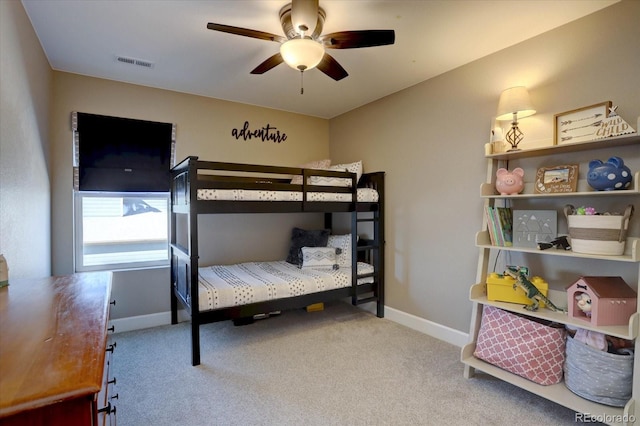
x: 251, y: 282
x: 365, y: 195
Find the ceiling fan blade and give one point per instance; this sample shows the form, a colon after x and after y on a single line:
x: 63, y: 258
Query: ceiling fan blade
x: 304, y: 15
x: 246, y: 32
x: 273, y: 61
x: 332, y: 68
x: 356, y: 39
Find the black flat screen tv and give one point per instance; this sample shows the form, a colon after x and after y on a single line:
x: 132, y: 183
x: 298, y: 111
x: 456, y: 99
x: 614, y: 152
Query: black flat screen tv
x: 123, y: 155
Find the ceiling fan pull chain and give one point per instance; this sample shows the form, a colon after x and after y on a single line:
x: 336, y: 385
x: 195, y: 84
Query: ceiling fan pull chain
x: 301, y: 82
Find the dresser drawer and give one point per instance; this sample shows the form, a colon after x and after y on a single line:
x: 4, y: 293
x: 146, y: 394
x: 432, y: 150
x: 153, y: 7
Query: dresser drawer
x: 106, y: 398
x: 74, y: 412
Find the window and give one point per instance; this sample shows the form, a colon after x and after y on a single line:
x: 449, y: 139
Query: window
x: 121, y: 230
x: 121, y: 183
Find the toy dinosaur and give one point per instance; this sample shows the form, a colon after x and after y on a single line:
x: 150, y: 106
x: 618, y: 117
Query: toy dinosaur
x: 519, y: 273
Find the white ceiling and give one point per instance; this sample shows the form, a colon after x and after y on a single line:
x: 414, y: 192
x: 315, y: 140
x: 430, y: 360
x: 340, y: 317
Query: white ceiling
x: 432, y: 37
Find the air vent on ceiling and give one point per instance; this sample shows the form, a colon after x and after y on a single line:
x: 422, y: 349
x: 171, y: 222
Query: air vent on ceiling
x: 134, y: 61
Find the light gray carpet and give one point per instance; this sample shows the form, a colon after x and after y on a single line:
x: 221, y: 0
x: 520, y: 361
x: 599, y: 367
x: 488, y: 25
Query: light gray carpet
x: 340, y: 366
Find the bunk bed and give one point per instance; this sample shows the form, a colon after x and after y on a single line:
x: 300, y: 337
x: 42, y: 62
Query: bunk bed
x: 206, y: 187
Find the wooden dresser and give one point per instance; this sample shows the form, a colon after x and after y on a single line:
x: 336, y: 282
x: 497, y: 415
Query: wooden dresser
x: 53, y: 350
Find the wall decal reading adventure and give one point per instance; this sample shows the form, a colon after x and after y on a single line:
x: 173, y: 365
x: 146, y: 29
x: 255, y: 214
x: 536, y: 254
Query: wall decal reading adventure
x: 266, y: 133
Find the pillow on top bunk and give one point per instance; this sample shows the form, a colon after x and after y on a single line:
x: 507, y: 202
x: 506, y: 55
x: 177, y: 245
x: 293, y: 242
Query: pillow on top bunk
x: 303, y: 238
x: 318, y: 164
x: 343, y: 242
x: 320, y: 257
x: 355, y: 167
x: 334, y: 181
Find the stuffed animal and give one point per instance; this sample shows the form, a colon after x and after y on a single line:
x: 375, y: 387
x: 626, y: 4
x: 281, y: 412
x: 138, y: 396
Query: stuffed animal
x: 584, y: 303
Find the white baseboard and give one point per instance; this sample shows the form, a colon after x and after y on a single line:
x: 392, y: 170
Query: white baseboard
x: 439, y: 331
x: 430, y: 328
x: 422, y: 325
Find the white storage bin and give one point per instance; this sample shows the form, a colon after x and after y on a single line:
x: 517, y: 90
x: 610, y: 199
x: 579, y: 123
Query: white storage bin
x: 598, y: 234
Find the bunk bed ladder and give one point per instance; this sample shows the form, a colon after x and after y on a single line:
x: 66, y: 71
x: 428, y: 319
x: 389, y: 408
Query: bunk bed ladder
x: 372, y: 249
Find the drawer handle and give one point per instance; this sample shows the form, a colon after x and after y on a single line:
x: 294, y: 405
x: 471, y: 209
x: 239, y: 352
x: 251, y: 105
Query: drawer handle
x: 113, y: 302
x: 111, y: 348
x: 114, y: 396
x: 109, y: 409
x: 111, y: 382
x: 112, y: 329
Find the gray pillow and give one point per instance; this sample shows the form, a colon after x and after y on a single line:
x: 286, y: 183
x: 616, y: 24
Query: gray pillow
x: 303, y: 238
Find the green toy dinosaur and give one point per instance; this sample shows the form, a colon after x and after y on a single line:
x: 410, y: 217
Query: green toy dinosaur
x: 519, y: 273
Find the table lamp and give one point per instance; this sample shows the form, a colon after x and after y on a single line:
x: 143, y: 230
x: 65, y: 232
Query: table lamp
x: 514, y: 103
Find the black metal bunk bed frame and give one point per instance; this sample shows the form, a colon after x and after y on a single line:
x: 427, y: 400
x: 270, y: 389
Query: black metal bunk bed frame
x: 192, y: 174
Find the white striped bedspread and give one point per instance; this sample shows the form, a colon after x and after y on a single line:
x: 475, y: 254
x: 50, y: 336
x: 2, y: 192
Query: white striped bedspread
x: 251, y: 282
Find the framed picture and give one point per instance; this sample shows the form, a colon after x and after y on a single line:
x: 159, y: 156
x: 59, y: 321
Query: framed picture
x: 556, y: 179
x: 579, y: 125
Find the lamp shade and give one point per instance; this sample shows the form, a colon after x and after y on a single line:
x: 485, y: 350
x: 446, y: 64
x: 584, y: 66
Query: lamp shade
x: 302, y: 53
x: 515, y: 100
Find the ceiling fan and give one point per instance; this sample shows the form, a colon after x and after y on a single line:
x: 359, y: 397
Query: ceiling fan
x: 303, y: 46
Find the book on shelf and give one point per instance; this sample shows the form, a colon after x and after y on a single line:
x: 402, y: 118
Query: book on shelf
x: 500, y: 225
x: 490, y: 224
x: 505, y: 218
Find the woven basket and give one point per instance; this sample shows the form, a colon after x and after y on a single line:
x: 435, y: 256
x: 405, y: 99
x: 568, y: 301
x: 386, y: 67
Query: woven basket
x: 598, y: 234
x: 598, y: 375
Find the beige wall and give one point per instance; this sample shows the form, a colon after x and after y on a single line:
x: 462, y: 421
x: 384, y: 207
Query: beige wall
x: 204, y: 129
x: 25, y: 85
x: 429, y: 139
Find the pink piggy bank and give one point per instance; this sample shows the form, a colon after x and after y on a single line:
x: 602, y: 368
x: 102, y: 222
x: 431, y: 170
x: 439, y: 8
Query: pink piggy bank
x: 508, y: 183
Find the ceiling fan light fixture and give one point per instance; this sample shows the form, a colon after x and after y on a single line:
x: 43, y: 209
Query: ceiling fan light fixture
x: 302, y: 53
x: 304, y: 15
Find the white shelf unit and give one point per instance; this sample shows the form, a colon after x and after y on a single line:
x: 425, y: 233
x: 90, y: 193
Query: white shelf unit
x: 487, y: 190
x: 558, y: 393
x: 631, y: 250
